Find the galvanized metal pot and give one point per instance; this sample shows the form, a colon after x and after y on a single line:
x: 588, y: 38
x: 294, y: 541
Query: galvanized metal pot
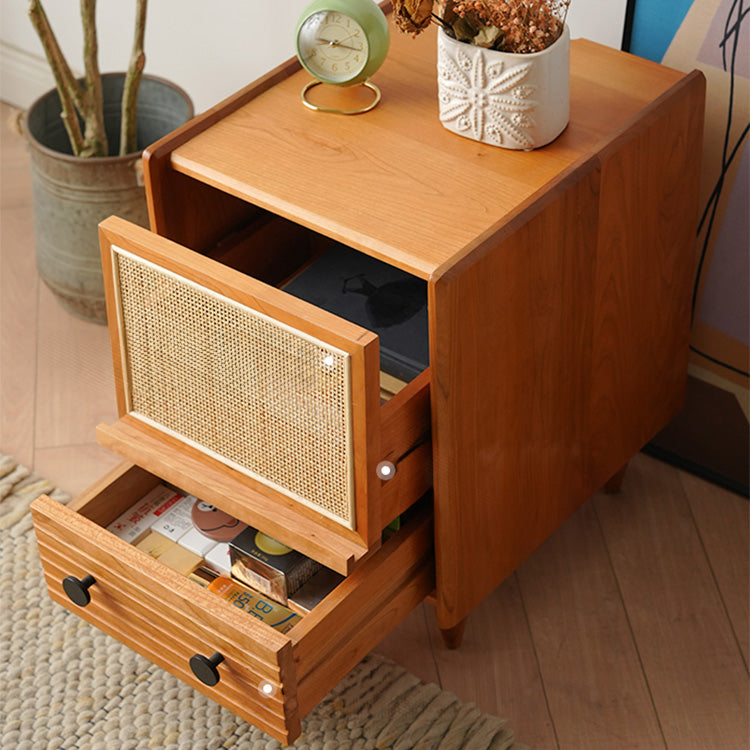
x: 71, y: 195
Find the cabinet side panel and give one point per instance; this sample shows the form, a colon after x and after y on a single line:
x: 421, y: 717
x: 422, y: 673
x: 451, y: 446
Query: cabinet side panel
x: 561, y: 349
x: 511, y: 336
x: 647, y: 244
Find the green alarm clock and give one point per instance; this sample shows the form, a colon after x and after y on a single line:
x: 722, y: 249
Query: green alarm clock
x: 342, y: 43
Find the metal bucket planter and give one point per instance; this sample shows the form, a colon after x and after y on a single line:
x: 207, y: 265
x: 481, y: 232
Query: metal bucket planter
x: 71, y: 195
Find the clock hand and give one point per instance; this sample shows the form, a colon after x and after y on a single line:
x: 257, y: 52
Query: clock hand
x: 334, y: 43
x: 347, y: 37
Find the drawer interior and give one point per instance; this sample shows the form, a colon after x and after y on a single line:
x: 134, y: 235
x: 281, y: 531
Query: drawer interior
x: 376, y: 295
x: 279, y: 251
x: 266, y: 245
x: 269, y: 678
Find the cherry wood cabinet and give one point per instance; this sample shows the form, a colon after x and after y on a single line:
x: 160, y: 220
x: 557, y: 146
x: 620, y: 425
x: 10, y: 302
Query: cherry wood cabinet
x: 558, y: 294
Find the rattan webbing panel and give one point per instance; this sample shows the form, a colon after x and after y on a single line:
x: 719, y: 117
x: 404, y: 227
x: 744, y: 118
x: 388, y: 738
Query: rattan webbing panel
x: 258, y: 395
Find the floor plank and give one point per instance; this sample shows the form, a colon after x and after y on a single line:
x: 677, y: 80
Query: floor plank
x: 496, y: 666
x: 18, y: 297
x: 589, y: 663
x: 76, y: 388
x: 689, y: 653
x: 723, y: 521
x: 75, y: 468
x: 15, y: 176
x: 409, y: 645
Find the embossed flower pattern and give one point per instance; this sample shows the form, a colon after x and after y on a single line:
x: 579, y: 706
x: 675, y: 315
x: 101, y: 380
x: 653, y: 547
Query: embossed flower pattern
x: 483, y: 99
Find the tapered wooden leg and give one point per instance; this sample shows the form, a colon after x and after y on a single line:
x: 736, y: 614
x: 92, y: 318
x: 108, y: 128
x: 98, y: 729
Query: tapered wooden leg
x: 452, y: 637
x: 614, y: 484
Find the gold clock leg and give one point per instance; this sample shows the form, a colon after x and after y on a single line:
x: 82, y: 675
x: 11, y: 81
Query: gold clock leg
x: 334, y: 110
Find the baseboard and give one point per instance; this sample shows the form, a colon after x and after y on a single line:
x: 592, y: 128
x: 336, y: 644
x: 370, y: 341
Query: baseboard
x: 709, y: 438
x: 699, y: 469
x: 24, y: 77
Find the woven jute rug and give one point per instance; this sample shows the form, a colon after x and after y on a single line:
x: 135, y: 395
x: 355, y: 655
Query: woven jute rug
x: 66, y: 684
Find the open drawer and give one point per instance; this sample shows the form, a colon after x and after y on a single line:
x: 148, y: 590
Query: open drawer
x: 268, y: 678
x: 256, y: 400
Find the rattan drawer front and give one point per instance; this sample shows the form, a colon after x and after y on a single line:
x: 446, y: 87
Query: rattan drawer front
x: 169, y: 619
x: 275, y: 398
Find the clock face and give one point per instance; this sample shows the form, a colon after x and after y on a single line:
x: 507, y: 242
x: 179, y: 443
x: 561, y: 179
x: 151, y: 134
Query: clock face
x: 332, y: 46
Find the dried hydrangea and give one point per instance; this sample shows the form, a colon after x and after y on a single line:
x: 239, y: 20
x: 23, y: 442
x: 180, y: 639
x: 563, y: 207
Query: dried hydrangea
x: 521, y: 26
x: 413, y: 16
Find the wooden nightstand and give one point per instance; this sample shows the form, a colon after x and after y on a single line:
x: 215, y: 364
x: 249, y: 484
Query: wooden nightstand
x: 558, y: 303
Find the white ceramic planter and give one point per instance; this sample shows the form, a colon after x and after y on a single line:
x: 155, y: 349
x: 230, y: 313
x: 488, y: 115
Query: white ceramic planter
x: 501, y: 98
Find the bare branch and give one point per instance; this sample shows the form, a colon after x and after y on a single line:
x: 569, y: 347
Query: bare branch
x: 129, y: 118
x: 93, y: 113
x: 70, y: 93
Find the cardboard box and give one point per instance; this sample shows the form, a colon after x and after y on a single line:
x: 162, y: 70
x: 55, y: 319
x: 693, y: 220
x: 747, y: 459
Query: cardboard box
x: 155, y: 544
x: 203, y: 576
x: 272, y: 613
x: 136, y: 522
x: 268, y: 566
x: 196, y: 542
x: 180, y: 559
x: 197, y: 526
x: 218, y: 560
x: 315, y: 590
x: 215, y: 523
x: 177, y: 521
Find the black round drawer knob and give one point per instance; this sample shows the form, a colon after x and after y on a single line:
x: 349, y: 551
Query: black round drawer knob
x: 77, y: 589
x: 204, y: 668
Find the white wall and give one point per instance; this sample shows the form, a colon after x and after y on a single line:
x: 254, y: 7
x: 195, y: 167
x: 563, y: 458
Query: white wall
x: 209, y: 47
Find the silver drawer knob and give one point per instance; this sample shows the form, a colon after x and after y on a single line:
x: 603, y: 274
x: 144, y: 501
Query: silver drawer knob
x: 385, y: 470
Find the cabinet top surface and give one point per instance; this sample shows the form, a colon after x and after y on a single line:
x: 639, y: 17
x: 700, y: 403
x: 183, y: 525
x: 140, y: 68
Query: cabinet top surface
x: 393, y: 182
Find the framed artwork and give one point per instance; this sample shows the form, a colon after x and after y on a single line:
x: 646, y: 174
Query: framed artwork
x: 711, y: 436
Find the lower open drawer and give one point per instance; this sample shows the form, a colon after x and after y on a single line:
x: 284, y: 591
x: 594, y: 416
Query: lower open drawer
x: 266, y: 677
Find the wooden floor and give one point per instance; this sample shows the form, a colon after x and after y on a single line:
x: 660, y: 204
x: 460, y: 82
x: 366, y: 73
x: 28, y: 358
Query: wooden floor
x: 627, y: 629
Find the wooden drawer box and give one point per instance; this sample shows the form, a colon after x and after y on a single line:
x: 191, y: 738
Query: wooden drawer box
x: 169, y: 619
x: 255, y: 400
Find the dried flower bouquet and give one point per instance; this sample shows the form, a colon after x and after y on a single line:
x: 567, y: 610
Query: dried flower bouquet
x: 520, y: 26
